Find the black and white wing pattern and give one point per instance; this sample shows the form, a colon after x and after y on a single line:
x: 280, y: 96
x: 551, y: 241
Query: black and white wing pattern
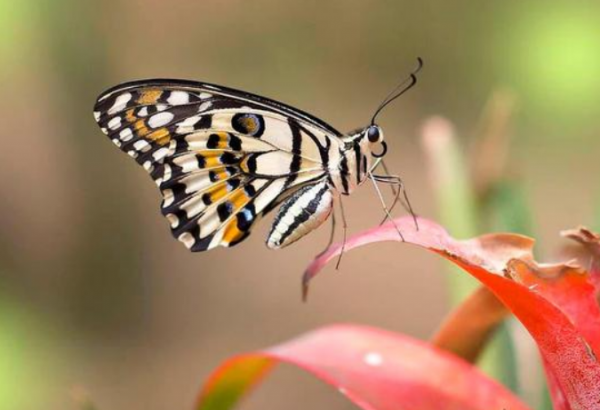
x: 222, y: 158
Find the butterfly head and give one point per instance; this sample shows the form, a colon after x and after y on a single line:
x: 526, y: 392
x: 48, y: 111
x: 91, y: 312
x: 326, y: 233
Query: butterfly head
x: 374, y: 134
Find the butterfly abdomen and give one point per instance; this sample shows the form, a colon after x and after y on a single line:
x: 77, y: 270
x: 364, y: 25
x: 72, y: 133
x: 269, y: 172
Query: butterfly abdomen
x: 300, y: 214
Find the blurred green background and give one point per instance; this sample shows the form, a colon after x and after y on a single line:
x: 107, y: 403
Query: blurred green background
x: 98, y: 304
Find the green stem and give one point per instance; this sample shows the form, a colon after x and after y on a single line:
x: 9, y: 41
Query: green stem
x: 459, y: 213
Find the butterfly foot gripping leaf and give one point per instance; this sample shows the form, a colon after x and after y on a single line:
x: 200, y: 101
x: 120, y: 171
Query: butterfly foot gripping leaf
x: 222, y: 158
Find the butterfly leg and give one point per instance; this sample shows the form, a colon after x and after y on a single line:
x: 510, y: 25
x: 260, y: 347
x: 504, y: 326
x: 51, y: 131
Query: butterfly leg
x: 345, y: 228
x: 395, y: 191
x: 395, y: 181
x: 383, y: 204
x: 331, y: 234
x: 392, y: 185
x: 397, y: 187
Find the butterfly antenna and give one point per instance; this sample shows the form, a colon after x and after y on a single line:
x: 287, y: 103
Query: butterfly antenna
x: 404, y: 86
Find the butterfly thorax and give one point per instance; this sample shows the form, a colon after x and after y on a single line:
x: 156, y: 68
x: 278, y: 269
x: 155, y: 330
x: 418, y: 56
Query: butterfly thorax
x: 354, y: 163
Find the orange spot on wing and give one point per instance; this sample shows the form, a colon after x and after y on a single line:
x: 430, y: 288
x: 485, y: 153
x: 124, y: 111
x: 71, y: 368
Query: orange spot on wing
x: 210, y: 153
x: 212, y: 162
x: 221, y: 175
x: 161, y: 136
x: 239, y: 199
x: 212, y: 157
x: 149, y: 97
x: 130, y: 116
x: 244, y: 165
x: 140, y: 128
x: 218, y: 191
x: 223, y: 140
x: 232, y: 233
x: 250, y: 124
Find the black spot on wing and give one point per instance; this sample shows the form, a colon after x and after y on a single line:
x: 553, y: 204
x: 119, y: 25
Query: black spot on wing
x: 224, y: 210
x: 246, y: 217
x: 235, y: 143
x: 227, y: 158
x: 213, y: 141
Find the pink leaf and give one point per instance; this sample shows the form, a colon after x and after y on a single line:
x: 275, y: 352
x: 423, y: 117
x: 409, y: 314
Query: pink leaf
x: 556, y: 303
x: 376, y: 370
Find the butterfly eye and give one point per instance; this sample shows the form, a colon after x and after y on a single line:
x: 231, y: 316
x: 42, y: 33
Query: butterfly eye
x: 373, y: 134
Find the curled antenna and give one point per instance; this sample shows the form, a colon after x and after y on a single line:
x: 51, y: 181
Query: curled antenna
x: 404, y: 86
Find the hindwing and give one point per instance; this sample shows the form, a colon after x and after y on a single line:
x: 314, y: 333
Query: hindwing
x: 221, y: 158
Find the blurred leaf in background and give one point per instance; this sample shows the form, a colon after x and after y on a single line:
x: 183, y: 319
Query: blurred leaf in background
x: 556, y: 60
x: 29, y: 359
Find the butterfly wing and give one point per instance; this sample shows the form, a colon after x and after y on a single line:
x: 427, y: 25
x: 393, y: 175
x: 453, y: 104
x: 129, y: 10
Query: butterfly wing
x: 222, y: 158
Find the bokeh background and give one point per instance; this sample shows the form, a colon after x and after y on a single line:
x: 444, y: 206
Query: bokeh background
x: 98, y: 304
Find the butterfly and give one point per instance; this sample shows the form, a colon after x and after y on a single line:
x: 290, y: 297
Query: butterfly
x: 223, y: 158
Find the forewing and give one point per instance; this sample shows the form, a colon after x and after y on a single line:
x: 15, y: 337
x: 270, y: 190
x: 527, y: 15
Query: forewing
x: 221, y: 158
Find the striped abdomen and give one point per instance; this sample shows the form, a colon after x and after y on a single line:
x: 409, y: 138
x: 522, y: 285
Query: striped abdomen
x: 303, y: 212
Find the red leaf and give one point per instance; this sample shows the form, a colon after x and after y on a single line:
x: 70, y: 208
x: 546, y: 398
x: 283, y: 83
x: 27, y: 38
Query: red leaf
x: 376, y: 370
x: 556, y: 303
x: 588, y: 252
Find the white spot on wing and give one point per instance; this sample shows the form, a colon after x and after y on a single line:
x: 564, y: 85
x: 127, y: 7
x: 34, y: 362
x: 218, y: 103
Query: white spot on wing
x: 97, y: 115
x: 167, y: 172
x: 173, y: 220
x: 167, y: 197
x: 120, y: 103
x: 204, y: 106
x: 126, y: 135
x: 187, y: 239
x: 143, y: 112
x: 178, y: 98
x: 114, y: 123
x: 159, y: 154
x: 160, y: 119
x: 141, y: 145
